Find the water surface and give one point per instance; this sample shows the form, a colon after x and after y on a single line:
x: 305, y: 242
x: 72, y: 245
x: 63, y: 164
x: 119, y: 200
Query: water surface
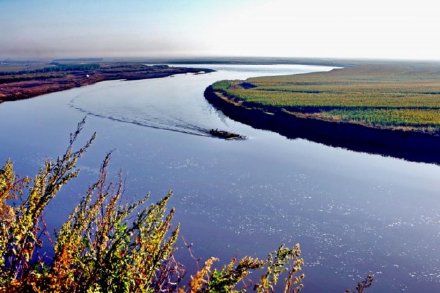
x: 352, y: 212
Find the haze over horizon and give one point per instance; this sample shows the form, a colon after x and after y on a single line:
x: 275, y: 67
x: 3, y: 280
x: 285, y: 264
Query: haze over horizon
x: 197, y: 28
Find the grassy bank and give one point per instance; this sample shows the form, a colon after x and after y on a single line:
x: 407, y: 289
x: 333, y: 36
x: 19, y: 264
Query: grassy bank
x: 396, y: 96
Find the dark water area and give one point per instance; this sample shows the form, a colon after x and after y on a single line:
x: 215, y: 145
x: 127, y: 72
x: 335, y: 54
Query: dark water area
x: 352, y: 212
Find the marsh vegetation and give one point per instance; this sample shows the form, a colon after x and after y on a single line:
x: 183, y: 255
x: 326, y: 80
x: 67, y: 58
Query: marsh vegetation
x: 392, y: 96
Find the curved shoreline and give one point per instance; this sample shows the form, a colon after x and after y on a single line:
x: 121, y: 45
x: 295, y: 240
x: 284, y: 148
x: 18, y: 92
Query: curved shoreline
x: 408, y: 145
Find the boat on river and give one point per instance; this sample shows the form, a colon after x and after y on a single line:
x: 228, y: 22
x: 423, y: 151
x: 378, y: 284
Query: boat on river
x: 225, y: 134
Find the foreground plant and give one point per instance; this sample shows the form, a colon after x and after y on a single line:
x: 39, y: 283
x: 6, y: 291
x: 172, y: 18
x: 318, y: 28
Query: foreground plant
x: 283, y: 260
x: 107, y: 247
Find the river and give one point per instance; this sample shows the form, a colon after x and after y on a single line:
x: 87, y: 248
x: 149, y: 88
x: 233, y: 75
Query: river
x: 352, y: 213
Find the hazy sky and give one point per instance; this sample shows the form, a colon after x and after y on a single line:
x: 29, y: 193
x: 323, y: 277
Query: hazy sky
x: 164, y: 28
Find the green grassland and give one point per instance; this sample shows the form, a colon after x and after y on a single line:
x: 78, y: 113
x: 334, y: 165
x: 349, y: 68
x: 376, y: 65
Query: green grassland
x: 397, y: 96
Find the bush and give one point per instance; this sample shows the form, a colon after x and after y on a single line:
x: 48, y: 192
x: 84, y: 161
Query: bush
x: 107, y: 247
x: 100, y: 248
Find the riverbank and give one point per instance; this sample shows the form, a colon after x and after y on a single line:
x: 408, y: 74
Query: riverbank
x: 410, y: 145
x: 53, y: 77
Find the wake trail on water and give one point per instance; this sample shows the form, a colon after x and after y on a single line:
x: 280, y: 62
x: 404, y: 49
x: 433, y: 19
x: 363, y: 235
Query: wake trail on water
x: 168, y: 123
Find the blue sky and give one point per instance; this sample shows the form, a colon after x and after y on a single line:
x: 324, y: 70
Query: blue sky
x: 165, y: 28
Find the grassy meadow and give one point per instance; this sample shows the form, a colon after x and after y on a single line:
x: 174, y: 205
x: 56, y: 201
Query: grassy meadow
x: 397, y: 96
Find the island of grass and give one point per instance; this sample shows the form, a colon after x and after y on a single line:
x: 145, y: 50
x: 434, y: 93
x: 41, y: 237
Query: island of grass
x: 21, y: 80
x: 391, y: 109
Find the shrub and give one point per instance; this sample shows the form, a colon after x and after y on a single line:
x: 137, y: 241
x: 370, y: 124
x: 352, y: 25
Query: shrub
x: 99, y: 248
x: 107, y: 247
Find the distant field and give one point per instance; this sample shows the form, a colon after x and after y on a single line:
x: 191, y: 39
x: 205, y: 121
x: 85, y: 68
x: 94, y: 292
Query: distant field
x: 405, y: 96
x: 21, y: 66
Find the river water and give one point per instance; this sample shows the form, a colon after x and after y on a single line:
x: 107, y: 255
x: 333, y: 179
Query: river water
x: 353, y: 213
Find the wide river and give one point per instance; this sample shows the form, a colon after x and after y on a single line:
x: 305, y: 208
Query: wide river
x: 352, y: 213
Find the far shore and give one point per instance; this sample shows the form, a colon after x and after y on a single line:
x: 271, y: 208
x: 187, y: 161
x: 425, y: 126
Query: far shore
x: 24, y: 84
